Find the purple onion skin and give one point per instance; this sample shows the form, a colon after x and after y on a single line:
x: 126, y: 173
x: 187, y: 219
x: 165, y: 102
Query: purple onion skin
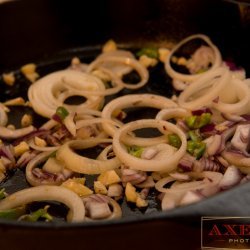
x: 208, y: 130
x: 246, y: 117
x: 185, y: 167
x: 201, y: 111
x: 57, y: 118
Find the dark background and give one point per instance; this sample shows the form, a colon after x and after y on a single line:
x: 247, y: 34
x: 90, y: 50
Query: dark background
x: 32, y: 29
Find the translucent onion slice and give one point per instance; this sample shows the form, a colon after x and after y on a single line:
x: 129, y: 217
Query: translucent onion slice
x: 134, y: 64
x: 7, y: 133
x: 205, y: 90
x: 40, y: 148
x: 81, y: 164
x: 214, y: 179
x: 119, y: 69
x: 166, y: 164
x: 241, y: 106
x: 47, y: 193
x: 103, y: 156
x: 190, y: 78
x: 51, y: 91
x: 170, y: 113
x: 131, y: 101
x: 117, y: 85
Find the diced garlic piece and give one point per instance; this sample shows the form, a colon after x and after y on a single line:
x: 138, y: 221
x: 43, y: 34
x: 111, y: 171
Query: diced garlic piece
x: 109, y: 177
x: 130, y: 193
x: 29, y: 71
x: 9, y: 78
x: 163, y: 54
x: 174, y: 59
x: 182, y: 61
x: 110, y: 45
x: 26, y: 120
x: 21, y: 148
x: 147, y: 61
x: 75, y: 61
x: 15, y: 102
x: 40, y: 142
x: 77, y: 187
x: 32, y: 77
x: 28, y: 68
x: 100, y: 188
x: 141, y: 202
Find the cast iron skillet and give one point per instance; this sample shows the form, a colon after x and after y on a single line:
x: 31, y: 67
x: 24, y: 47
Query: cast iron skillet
x: 50, y: 33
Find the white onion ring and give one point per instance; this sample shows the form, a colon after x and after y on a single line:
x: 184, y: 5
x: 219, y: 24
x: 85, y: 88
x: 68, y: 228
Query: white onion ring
x: 118, y: 69
x: 6, y: 133
x: 47, y: 193
x: 81, y: 164
x: 242, y: 105
x: 166, y: 164
x: 51, y: 91
x: 40, y: 148
x: 169, y: 113
x: 208, y: 96
x: 189, y: 78
x: 142, y: 71
x: 136, y: 100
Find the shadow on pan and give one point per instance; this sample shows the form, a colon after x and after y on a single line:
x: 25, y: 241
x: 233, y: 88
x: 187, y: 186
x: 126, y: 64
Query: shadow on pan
x: 51, y: 32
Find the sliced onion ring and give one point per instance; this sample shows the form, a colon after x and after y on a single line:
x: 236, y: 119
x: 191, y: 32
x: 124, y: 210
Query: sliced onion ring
x: 47, y: 193
x: 216, y: 80
x: 81, y: 164
x: 189, y: 78
x: 130, y: 101
x: 166, y: 164
x: 125, y: 61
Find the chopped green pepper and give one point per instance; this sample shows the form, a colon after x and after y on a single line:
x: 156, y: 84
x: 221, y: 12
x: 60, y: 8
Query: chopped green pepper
x: 62, y: 112
x: 198, y: 152
x: 150, y: 52
x: 135, y: 151
x: 14, y: 213
x: 194, y: 135
x: 195, y: 122
x: 174, y: 140
x: 196, y: 148
x: 35, y: 216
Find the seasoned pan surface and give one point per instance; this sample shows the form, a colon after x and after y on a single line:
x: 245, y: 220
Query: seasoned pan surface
x: 159, y: 83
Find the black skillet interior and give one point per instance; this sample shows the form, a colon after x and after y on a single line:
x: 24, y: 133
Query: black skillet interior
x: 51, y: 32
